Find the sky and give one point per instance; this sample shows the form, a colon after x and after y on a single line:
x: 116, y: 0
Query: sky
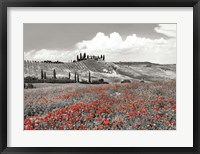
x: 118, y: 42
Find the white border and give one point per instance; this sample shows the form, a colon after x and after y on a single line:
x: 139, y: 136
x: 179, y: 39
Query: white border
x: 182, y: 137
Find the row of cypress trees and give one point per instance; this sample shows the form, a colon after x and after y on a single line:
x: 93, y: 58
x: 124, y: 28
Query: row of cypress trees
x: 44, y: 75
x: 76, y: 76
x: 85, y: 56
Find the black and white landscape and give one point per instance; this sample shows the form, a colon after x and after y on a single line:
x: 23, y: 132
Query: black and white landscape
x: 99, y: 76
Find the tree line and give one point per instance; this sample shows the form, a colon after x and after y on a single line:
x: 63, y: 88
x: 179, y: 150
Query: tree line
x: 43, y: 78
x: 84, y: 56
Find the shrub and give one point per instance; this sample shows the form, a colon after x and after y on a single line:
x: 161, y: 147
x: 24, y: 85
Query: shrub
x: 28, y: 86
x: 83, y: 82
x: 100, y: 81
x: 126, y: 81
x: 30, y: 79
x: 59, y: 80
x: 148, y: 65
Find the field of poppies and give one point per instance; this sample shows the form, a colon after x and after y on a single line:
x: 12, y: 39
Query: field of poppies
x: 128, y: 106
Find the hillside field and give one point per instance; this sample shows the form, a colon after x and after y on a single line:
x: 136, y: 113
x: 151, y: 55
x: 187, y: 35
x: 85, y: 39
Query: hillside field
x: 109, y: 71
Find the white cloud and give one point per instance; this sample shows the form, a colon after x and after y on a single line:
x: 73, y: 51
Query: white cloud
x: 114, y: 42
x: 166, y: 29
x: 45, y: 54
x: 133, y: 48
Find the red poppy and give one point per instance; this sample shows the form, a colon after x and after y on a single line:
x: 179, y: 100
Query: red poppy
x: 157, y: 117
x: 114, y: 126
x: 167, y: 122
x: 136, y: 112
x: 165, y: 107
x: 99, y: 119
x: 135, y: 126
x: 106, y: 122
x: 143, y: 110
x: 131, y: 114
x: 28, y: 127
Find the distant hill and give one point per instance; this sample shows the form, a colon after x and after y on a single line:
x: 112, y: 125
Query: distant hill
x: 110, y: 72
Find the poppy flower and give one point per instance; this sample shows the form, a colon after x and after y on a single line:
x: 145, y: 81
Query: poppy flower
x: 106, y: 122
x: 28, y: 127
x: 143, y: 110
x: 157, y: 117
x: 167, y: 122
x: 99, y: 119
x: 131, y: 114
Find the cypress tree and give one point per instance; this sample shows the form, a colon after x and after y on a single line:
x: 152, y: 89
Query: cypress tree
x: 89, y: 80
x: 42, y: 74
x: 75, y: 77
x: 54, y: 74
x: 69, y: 75
x: 81, y: 58
x: 77, y: 58
x: 45, y: 76
x: 84, y: 56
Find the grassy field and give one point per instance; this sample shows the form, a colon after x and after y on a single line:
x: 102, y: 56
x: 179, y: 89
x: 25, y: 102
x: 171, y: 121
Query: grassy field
x: 132, y: 106
x: 52, y: 85
x: 109, y: 71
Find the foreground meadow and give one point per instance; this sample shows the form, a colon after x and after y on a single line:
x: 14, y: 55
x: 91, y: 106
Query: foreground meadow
x: 131, y: 106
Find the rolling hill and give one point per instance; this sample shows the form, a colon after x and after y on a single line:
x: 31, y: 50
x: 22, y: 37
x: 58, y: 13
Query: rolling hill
x: 109, y: 71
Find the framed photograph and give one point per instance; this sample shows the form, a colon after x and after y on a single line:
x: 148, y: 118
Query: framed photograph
x: 100, y: 76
